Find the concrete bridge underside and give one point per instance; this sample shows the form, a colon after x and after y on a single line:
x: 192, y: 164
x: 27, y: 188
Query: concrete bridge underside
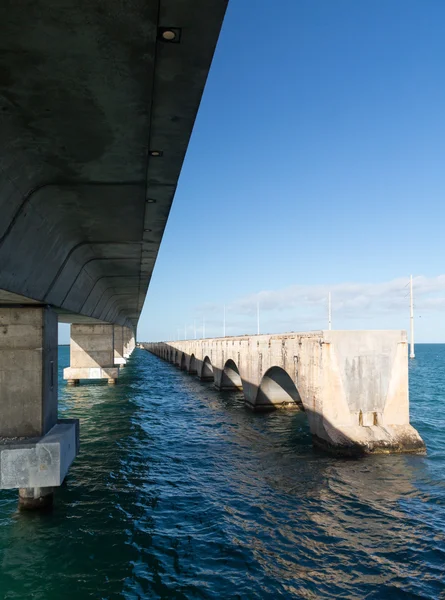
x: 97, y: 104
x: 96, y: 112
x: 353, y: 385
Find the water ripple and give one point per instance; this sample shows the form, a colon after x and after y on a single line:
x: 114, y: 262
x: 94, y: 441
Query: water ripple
x: 180, y: 492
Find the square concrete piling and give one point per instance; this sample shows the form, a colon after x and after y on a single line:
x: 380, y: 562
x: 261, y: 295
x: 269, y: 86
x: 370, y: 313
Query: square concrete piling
x: 91, y: 353
x: 36, y: 450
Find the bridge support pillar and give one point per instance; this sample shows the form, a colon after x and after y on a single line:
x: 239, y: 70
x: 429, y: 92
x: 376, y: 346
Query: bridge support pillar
x: 129, y: 341
x: 36, y: 449
x: 91, y: 353
x: 119, y: 351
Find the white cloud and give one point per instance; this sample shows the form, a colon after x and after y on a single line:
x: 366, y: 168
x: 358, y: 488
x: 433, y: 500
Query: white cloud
x: 349, y: 300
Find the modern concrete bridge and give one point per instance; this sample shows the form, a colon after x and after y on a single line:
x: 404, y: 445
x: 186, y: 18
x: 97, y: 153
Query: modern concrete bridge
x: 97, y: 104
x: 353, y: 385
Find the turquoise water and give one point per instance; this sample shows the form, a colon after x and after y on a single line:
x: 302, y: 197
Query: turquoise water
x: 180, y: 492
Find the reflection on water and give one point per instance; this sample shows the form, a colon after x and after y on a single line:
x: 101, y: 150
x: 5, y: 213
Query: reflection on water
x: 180, y: 492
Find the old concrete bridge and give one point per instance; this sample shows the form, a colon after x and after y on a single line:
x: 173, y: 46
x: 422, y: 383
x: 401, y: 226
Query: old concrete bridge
x: 353, y: 385
x: 97, y: 104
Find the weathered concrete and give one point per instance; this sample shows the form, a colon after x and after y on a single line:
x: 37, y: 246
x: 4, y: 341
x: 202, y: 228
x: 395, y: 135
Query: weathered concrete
x: 353, y: 385
x: 36, y: 449
x: 92, y: 353
x: 94, y: 130
x: 119, y: 349
x: 28, y: 371
x: 40, y: 462
x: 129, y: 342
x: 37, y: 466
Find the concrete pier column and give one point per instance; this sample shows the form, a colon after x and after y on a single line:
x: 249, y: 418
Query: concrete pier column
x: 36, y: 449
x: 119, y: 351
x: 129, y: 341
x: 91, y: 353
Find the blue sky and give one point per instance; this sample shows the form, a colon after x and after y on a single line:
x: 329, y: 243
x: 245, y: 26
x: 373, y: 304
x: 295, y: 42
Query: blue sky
x: 317, y: 160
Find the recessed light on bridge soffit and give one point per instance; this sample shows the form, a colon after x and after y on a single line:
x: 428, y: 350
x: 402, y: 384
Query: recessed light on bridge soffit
x: 169, y: 35
x: 156, y: 153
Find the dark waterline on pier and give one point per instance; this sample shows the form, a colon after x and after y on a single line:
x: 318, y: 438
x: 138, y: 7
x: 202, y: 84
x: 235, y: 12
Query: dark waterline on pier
x: 180, y: 492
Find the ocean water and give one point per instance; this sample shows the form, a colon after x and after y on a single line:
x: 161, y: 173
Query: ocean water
x: 180, y: 492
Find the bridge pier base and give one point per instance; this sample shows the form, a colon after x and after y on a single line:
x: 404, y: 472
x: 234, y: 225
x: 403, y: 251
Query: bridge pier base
x: 91, y: 353
x: 36, y: 449
x: 36, y: 498
x: 129, y: 342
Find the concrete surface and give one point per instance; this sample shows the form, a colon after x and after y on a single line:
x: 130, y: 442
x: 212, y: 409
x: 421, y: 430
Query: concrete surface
x: 119, y: 351
x: 42, y: 462
x: 353, y: 385
x: 28, y: 371
x: 129, y: 341
x: 87, y: 91
x: 92, y: 352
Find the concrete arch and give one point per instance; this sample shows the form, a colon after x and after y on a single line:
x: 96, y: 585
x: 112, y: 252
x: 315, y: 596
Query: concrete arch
x: 183, y: 363
x: 192, y: 365
x: 231, y: 378
x: 353, y: 384
x: 176, y: 358
x: 277, y: 390
x: 207, y: 370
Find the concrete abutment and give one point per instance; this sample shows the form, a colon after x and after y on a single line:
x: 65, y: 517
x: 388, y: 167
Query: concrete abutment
x: 353, y: 385
x: 36, y: 448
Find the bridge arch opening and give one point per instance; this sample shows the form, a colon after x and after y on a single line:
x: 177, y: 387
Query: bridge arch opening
x: 183, y: 362
x: 231, y: 379
x: 176, y: 360
x: 192, y: 367
x: 207, y: 370
x: 278, y: 390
